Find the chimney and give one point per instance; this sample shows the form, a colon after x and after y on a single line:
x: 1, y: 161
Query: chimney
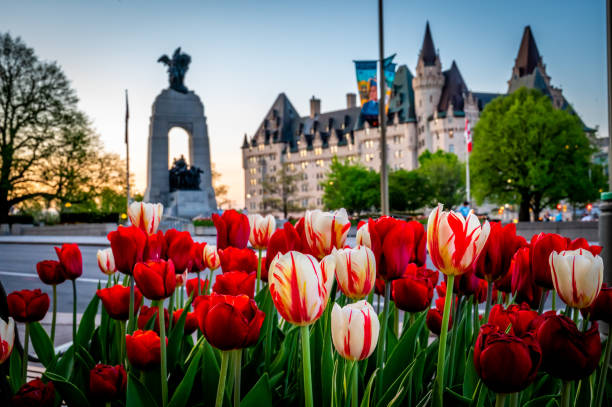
x: 315, y: 107
x: 351, y: 100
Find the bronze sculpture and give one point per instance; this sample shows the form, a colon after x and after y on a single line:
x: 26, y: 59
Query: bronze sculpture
x: 177, y: 68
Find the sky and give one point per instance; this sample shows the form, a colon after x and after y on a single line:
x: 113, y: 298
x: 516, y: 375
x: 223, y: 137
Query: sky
x: 244, y: 53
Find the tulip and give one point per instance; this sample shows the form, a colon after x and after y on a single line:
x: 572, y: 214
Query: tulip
x: 128, y: 245
x: 7, y: 338
x: 155, y: 279
x: 517, y: 318
x: 601, y: 308
x: 181, y: 279
x: 116, y: 301
x: 326, y: 230
x: 179, y: 249
x: 107, y: 383
x: 434, y: 317
x: 582, y: 243
x: 233, y: 259
x: 235, y: 283
x: 148, y: 314
x: 542, y: 245
x: 193, y: 284
x: 211, y: 257
x: 354, y: 330
x: 355, y: 271
x: 300, y: 228
x: 143, y: 349
x: 155, y: 249
x: 506, y: 363
x: 262, y: 229
x: 282, y: 241
x: 191, y: 321
x: 197, y: 256
x: 232, y: 229
x: 35, y: 393
x: 50, y: 272
x: 363, y: 235
x: 146, y: 216
x: 524, y: 286
x: 414, y: 292
x: 70, y: 258
x: 28, y: 305
x: 577, y: 276
x: 106, y: 261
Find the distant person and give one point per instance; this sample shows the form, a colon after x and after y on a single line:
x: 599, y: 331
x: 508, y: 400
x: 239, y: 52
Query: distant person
x: 547, y: 216
x: 587, y: 217
x: 464, y: 209
x: 559, y: 217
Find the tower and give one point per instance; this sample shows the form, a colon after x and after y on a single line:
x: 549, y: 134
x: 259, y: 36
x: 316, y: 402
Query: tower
x: 429, y: 80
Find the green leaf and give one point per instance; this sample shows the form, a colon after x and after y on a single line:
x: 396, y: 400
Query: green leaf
x: 259, y: 395
x: 365, y: 400
x: 175, y: 340
x: 457, y: 399
x: 88, y: 322
x: 210, y: 373
x: 42, y: 344
x: 65, y: 364
x: 70, y: 393
x: 404, y: 351
x: 85, y: 358
x: 137, y: 393
x: 542, y: 401
x: 182, y: 392
x: 15, y: 370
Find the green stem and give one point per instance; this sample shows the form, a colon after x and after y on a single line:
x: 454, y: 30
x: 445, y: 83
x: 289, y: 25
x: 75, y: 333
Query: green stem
x: 554, y: 300
x: 306, y: 365
x: 209, y: 286
x: 122, y: 342
x: 439, y: 383
x: 500, y: 399
x: 476, y: 319
x: 222, y: 375
x: 170, y: 309
x: 566, y: 393
x: 108, y: 404
x: 382, y: 341
x: 54, y: 317
x: 162, y: 337
x: 396, y: 321
x: 131, y: 315
x: 258, y: 272
x: 74, y: 312
x: 542, y: 300
x: 269, y: 331
x: 576, y: 316
x: 199, y: 288
x: 514, y: 399
x: 26, y: 344
x: 237, y: 366
x: 110, y: 281
x: 604, y: 372
x: 453, y: 342
x: 489, y: 300
x: 355, y: 384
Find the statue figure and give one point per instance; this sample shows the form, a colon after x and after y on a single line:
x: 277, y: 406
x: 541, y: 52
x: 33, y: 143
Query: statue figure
x: 183, y: 177
x: 177, y: 68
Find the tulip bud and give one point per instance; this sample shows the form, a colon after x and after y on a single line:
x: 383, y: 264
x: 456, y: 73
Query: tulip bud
x: 355, y: 271
x: 197, y: 256
x: 155, y: 279
x: 363, y: 236
x: 326, y: 230
x: 34, y: 393
x: 106, y: 261
x: 28, y: 305
x: 523, y: 285
x: 235, y: 283
x: 282, y: 241
x: 354, y: 330
x: 7, y: 338
x: 107, y: 383
x: 192, y: 285
x: 233, y: 229
x: 262, y: 229
x: 155, y: 248
x: 298, y: 287
x: 70, y: 258
x: 179, y: 249
x: 601, y: 308
x: 128, y: 245
x: 434, y: 317
x: 143, y: 349
x: 494, y: 260
x: 211, y: 257
x: 414, y: 291
x: 181, y: 279
x: 191, y: 320
x: 50, y: 272
x: 454, y: 243
x: 149, y: 318
x: 116, y: 301
x: 577, y: 276
x: 233, y: 259
x: 146, y: 216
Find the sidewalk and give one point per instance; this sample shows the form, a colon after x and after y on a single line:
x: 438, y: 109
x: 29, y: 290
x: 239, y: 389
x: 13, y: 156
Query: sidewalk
x: 80, y: 240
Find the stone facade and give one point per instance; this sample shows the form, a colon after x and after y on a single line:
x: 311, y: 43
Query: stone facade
x: 427, y: 111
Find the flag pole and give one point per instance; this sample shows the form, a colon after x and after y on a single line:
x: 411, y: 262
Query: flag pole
x: 384, y: 178
x: 127, y: 153
x: 468, y: 142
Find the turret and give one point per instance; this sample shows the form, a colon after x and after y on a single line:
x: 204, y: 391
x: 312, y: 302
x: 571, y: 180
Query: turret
x: 428, y: 80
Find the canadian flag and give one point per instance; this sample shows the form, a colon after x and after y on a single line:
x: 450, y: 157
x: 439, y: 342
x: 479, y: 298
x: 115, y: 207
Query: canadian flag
x: 468, y: 135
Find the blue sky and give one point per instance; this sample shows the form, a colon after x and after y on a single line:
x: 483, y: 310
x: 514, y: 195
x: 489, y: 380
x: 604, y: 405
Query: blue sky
x: 246, y: 52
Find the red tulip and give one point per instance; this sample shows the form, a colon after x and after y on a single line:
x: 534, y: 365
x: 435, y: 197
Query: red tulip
x: 235, y: 283
x: 72, y: 261
x: 434, y: 317
x: 148, y: 313
x: 233, y: 259
x: 232, y: 229
x: 229, y: 322
x: 197, y: 256
x: 116, y: 301
x: 518, y: 317
x: 504, y: 284
x: 523, y: 283
x: 414, y: 291
x: 155, y: 248
x: 282, y: 241
x: 128, y: 245
x: 300, y: 228
x: 379, y: 286
x: 567, y: 352
x: 28, y: 305
x: 192, y: 285
x: 506, y: 363
x: 143, y: 349
x: 191, y: 321
x: 156, y: 279
x: 601, y: 308
x: 494, y: 260
x: 542, y: 246
x: 50, y: 272
x: 179, y: 249
x: 582, y: 243
x: 107, y: 383
x: 35, y: 393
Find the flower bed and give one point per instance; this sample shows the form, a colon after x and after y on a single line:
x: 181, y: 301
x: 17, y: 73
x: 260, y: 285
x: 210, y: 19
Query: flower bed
x: 314, y: 322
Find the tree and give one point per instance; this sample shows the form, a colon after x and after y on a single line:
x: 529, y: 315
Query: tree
x: 351, y: 186
x: 279, y: 191
x: 221, y: 190
x: 408, y: 190
x: 528, y: 153
x: 445, y: 177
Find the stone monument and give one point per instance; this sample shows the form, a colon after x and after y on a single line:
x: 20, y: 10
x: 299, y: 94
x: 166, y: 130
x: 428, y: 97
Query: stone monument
x: 185, y: 191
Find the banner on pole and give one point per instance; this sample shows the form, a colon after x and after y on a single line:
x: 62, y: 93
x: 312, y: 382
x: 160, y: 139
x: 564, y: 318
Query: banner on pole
x: 367, y: 85
x: 389, y: 78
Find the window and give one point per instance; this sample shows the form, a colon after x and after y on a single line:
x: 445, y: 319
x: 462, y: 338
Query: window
x: 303, y: 153
x: 318, y: 151
x: 451, y: 148
x: 398, y: 154
x: 319, y: 201
x: 260, y: 147
x: 369, y: 157
x: 253, y: 181
x: 289, y: 154
x: 305, y: 202
x: 252, y: 171
x: 450, y: 134
x: 292, y: 167
x: 253, y: 160
x: 369, y: 144
x: 333, y: 149
x: 304, y: 165
x: 319, y: 163
x: 304, y: 187
x: 350, y: 147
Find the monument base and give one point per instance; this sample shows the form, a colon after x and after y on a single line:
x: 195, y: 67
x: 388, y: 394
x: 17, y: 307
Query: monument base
x: 188, y: 204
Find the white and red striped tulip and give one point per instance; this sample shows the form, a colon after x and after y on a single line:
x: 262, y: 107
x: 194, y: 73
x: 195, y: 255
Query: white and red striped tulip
x: 106, y: 261
x: 298, y: 286
x: 355, y: 271
x: 326, y: 230
x: 181, y: 279
x: 354, y: 330
x: 7, y: 338
x: 455, y: 242
x: 577, y: 276
x: 363, y: 236
x: 261, y: 230
x: 146, y: 216
x: 211, y: 257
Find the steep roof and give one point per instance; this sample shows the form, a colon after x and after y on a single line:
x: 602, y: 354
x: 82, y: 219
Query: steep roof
x: 402, y: 95
x: 483, y: 98
x: 279, y: 123
x: 453, y: 90
x: 528, y: 56
x: 428, y: 51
